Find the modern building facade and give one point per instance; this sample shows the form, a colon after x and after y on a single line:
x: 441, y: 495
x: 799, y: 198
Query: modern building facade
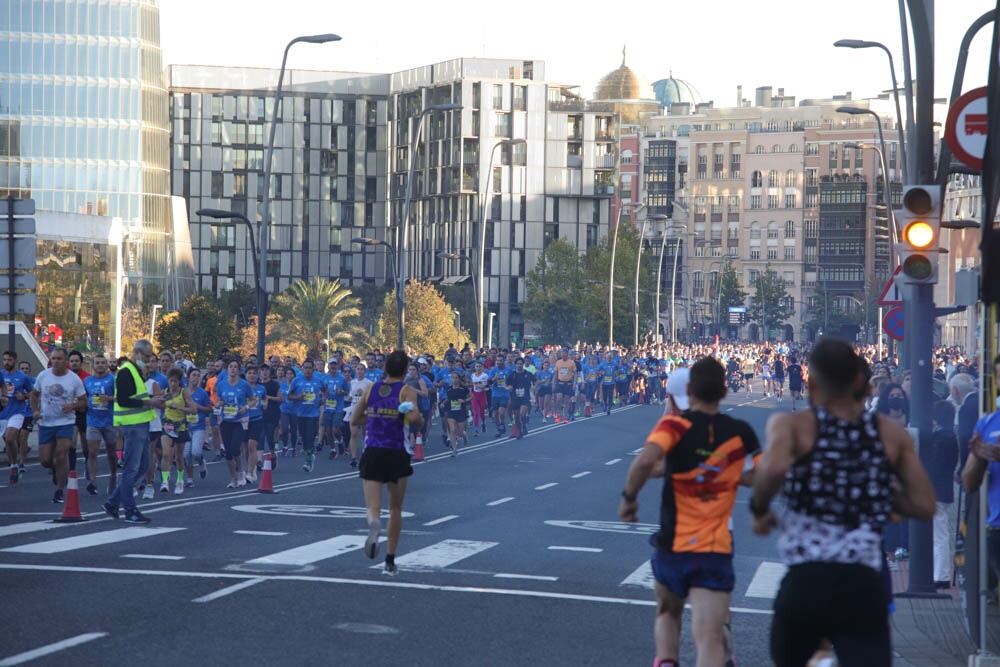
x: 84, y: 132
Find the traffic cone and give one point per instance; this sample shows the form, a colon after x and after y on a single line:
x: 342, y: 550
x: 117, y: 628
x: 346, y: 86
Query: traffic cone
x: 588, y: 411
x: 266, y: 484
x: 418, y: 449
x: 71, y: 505
x: 642, y: 398
x: 515, y: 432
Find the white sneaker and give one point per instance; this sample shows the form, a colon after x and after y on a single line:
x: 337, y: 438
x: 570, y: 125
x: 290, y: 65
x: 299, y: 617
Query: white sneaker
x: 252, y: 477
x: 164, y: 488
x: 179, y: 489
x: 241, y: 480
x: 231, y: 485
x: 148, y: 493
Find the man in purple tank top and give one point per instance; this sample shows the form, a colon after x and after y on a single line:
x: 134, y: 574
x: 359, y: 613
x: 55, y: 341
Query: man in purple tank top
x: 385, y: 409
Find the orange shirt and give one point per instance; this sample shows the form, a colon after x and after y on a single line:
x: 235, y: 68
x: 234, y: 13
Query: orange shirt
x: 705, y: 459
x: 210, y: 388
x: 564, y: 370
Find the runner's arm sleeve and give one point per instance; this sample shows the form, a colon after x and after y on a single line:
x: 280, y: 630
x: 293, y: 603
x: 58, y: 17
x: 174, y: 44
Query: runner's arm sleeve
x: 667, y: 432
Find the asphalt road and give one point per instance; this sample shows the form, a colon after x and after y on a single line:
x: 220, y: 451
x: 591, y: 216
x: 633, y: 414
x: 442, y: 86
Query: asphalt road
x: 511, y: 554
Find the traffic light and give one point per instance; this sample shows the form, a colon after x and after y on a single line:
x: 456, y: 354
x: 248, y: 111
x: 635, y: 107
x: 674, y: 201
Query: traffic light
x: 920, y: 223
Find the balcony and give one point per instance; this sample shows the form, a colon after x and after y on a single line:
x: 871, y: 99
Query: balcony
x: 605, y: 161
x: 604, y: 190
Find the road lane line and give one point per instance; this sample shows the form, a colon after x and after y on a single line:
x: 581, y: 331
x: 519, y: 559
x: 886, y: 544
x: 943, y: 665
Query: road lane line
x: 269, y: 533
x: 49, y: 649
x: 311, y: 553
x: 441, y: 520
x: 612, y: 462
x: 152, y: 556
x: 31, y: 527
x: 381, y: 582
x: 546, y: 486
x: 766, y: 580
x: 92, y: 540
x: 642, y: 577
x: 532, y: 577
x: 589, y: 550
x: 580, y: 474
x: 440, y: 555
x: 223, y: 592
x: 500, y: 501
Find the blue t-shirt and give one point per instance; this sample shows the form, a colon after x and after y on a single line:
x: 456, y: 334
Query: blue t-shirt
x: 233, y: 397
x: 17, y: 383
x: 100, y: 400
x: 498, y: 376
x: 544, y: 377
x: 160, y: 379
x: 374, y: 374
x: 311, y: 391
x: 30, y: 384
x: 196, y: 421
x: 988, y: 428
x: 608, y: 372
x: 287, y: 407
x: 335, y: 384
x: 256, y: 401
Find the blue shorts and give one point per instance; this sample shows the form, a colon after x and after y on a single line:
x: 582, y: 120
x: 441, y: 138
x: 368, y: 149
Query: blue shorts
x: 47, y: 435
x: 680, y: 572
x: 500, y: 402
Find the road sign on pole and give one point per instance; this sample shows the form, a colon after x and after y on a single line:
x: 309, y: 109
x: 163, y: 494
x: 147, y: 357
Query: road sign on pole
x: 892, y: 323
x: 966, y: 127
x: 892, y: 295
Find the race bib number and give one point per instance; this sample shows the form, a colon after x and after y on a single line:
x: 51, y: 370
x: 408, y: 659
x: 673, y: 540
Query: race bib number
x: 519, y: 392
x: 308, y: 397
x: 98, y: 402
x: 169, y: 428
x: 331, y: 403
x: 191, y: 419
x: 230, y: 411
x: 456, y: 405
x: 563, y: 373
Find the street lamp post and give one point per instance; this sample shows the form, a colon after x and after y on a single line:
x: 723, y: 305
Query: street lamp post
x: 265, y: 218
x: 638, y: 259
x: 659, y: 271
x: 888, y: 196
x: 858, y: 111
x: 366, y: 240
x: 401, y: 254
x: 865, y: 44
x: 611, y: 272
x: 485, y: 180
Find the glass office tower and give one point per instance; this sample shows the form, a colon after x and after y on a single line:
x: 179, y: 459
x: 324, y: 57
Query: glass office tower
x: 84, y: 132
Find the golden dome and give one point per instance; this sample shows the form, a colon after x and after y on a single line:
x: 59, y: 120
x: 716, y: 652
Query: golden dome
x: 623, y: 84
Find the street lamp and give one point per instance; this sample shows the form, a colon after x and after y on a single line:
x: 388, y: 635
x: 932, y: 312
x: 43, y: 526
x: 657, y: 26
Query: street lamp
x: 222, y: 214
x: 659, y: 217
x: 859, y: 111
x: 485, y: 180
x: 401, y: 255
x: 366, y: 240
x: 611, y: 273
x: 475, y: 292
x: 888, y: 193
x: 265, y: 218
x: 865, y: 44
x: 152, y: 322
x: 673, y: 280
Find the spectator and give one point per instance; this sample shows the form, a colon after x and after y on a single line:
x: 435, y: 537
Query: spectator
x: 944, y: 457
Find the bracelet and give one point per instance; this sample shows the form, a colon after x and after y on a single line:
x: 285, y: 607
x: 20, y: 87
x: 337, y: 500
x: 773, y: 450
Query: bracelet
x: 755, y: 509
x: 629, y: 498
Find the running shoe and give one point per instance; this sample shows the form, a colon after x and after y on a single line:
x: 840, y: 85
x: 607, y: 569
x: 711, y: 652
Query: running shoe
x: 148, y: 493
x: 21, y: 469
x: 390, y: 570
x: 179, y: 490
x: 111, y: 510
x: 252, y: 476
x: 333, y: 453
x: 91, y: 488
x: 231, y: 485
x: 371, y: 542
x: 241, y: 479
x: 57, y: 497
x: 454, y: 453
x: 354, y: 463
x: 202, y: 470
x: 14, y: 476
x: 135, y: 516
x: 164, y: 488
x: 308, y: 465
x: 188, y: 483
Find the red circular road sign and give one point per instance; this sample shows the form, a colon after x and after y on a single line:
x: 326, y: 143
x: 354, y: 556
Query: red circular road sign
x: 892, y: 323
x: 966, y: 127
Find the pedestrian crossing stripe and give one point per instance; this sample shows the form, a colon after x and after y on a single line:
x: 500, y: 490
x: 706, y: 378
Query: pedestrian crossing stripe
x: 91, y: 540
x: 440, y: 555
x: 312, y: 553
x: 766, y: 580
x: 642, y: 576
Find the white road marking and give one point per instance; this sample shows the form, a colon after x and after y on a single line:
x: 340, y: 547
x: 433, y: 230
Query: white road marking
x: 642, y: 577
x: 441, y: 520
x: 546, y: 486
x: 377, y: 583
x: 152, y: 557
x: 92, y: 540
x: 580, y: 474
x: 440, y: 555
x: 766, y: 580
x: 31, y: 527
x: 590, y: 550
x: 311, y: 553
x: 532, y: 577
x: 500, y: 501
x: 612, y: 462
x: 49, y: 649
x: 268, y: 533
x: 223, y: 592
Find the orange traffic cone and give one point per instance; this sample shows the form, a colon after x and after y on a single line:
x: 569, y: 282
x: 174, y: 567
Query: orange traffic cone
x: 71, y: 506
x: 266, y: 484
x: 418, y: 449
x: 515, y: 432
x: 588, y: 410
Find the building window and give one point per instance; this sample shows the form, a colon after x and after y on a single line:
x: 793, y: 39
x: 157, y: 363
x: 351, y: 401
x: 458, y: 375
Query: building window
x: 772, y: 179
x: 754, y: 254
x: 756, y: 180
x: 790, y: 178
x: 789, y: 201
x: 217, y: 183
x: 772, y: 201
x: 772, y: 230
x: 754, y: 201
x: 755, y: 231
x: 520, y: 98
x: 789, y: 253
x: 789, y: 229
x: 772, y: 253
x: 498, y: 96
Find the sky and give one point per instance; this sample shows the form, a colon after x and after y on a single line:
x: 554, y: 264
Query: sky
x: 715, y: 45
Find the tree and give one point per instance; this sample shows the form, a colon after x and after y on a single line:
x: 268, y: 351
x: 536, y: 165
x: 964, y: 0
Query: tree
x: 429, y: 325
x: 240, y: 302
x: 309, y: 310
x: 731, y: 295
x: 825, y: 314
x: 769, y: 305
x: 279, y: 346
x: 371, y: 297
x: 200, y: 329
x: 552, y: 293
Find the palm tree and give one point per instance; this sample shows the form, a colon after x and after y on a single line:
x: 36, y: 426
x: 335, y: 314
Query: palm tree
x: 310, y: 310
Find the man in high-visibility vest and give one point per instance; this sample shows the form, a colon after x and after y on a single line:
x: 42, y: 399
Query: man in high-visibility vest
x: 134, y: 410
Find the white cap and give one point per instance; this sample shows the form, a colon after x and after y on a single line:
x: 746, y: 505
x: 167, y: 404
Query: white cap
x: 677, y: 387
x: 421, y: 360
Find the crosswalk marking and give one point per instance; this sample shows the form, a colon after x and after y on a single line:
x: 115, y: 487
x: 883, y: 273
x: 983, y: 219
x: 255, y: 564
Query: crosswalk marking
x: 766, y: 580
x: 642, y: 577
x: 546, y: 486
x: 30, y: 527
x: 441, y: 555
x: 441, y: 520
x: 612, y: 462
x: 580, y: 474
x: 92, y: 540
x: 311, y: 553
x: 500, y: 501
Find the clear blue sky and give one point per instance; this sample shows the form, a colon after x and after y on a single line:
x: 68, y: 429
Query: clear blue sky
x: 713, y: 45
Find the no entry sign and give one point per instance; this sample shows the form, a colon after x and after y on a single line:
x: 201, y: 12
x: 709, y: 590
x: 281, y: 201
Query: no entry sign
x: 965, y: 129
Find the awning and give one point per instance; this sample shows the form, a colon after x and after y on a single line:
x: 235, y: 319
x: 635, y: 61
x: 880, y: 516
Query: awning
x: 455, y: 280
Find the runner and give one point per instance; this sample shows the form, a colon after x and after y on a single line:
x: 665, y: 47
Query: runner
x: 232, y: 393
x: 457, y: 399
x: 778, y: 376
x: 29, y: 419
x: 765, y: 375
x: 385, y: 407
x: 57, y: 395
x: 480, y: 382
x: 543, y: 390
x: 175, y: 430
x: 194, y: 449
x: 608, y: 382
x: 289, y: 416
x: 100, y: 388
x: 500, y: 393
x: 748, y: 367
x: 563, y: 386
x: 704, y: 452
x: 794, y: 380
x: 17, y: 387
x: 80, y: 430
x: 359, y: 387
x: 416, y: 381
x: 255, y: 422
x: 844, y: 471
x: 337, y: 386
x: 272, y: 413
x: 519, y: 383
x: 307, y: 392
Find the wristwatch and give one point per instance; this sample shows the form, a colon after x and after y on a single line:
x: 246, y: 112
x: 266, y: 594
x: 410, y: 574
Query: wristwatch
x: 629, y: 498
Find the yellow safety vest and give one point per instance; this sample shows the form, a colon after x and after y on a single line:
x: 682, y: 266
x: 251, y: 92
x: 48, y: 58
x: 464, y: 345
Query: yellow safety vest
x: 130, y: 416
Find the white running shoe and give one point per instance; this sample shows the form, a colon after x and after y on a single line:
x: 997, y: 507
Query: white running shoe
x: 164, y: 488
x: 241, y: 480
x: 179, y: 489
x: 252, y: 476
x: 148, y: 493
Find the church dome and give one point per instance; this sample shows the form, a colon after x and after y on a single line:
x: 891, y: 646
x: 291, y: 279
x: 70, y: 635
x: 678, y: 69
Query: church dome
x: 671, y: 91
x: 623, y: 84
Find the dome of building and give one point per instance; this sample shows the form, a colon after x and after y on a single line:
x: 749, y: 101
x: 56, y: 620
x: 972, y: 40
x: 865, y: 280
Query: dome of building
x: 671, y: 91
x: 623, y: 84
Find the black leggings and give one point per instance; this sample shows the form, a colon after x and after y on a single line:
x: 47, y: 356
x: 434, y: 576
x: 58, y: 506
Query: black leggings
x: 846, y: 604
x: 233, y: 435
x: 308, y: 427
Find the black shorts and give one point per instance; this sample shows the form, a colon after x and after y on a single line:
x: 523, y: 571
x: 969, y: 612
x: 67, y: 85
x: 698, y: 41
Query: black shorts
x: 458, y: 415
x: 29, y: 423
x: 81, y: 422
x: 795, y: 388
x: 564, y: 388
x: 843, y: 603
x: 516, y: 403
x: 543, y: 390
x: 385, y: 465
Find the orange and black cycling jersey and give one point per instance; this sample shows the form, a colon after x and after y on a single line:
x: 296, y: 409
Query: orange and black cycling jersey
x: 705, y: 457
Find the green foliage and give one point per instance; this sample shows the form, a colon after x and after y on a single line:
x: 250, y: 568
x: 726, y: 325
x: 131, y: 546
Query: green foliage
x: 769, y: 305
x: 429, y: 324
x: 553, y: 291
x: 307, y: 310
x: 730, y: 293
x: 371, y: 298
x: 240, y: 302
x: 200, y: 329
